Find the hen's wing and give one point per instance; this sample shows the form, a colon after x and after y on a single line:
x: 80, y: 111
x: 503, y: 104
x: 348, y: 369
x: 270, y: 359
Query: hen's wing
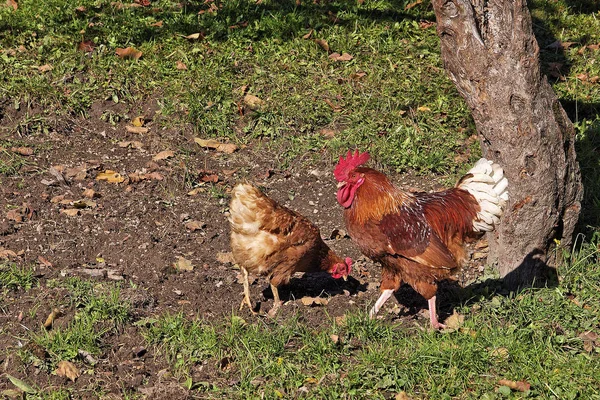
x: 409, y: 235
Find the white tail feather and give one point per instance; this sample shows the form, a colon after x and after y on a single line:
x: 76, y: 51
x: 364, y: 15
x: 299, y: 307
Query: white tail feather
x: 487, y: 183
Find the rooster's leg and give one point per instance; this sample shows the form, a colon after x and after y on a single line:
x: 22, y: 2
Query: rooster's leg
x: 382, y: 299
x: 433, y: 315
x: 276, y: 301
x: 246, y: 299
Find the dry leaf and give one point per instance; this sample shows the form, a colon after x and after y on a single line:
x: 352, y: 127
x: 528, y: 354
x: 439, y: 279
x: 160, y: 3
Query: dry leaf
x: 197, y: 190
x: 24, y: 151
x: 182, y: 264
x: 402, y: 396
x: 411, y: 5
x: 426, y: 24
x: 67, y: 369
x: 333, y: 106
x: 594, y: 79
x: 323, y: 43
x: 133, y: 144
x: 6, y: 253
x: 163, y: 155
x: 357, y: 75
x: 14, y: 215
x: 338, y: 57
x: 136, y: 129
x: 582, y: 77
x: 253, y: 102
x: 128, y: 52
x: 138, y: 121
x: 84, y: 203
x: 91, y: 193
x: 154, y: 175
x: 317, y: 301
x: 335, y: 338
x: 195, y: 36
x: 307, y: 36
x: 227, y: 148
x: 328, y: 133
x: 423, y: 108
x: 13, y: 4
x: 110, y: 176
x: 57, y: 199
x: 43, y: 261
x: 180, y: 66
x: 86, y: 46
x: 71, y: 212
x: 51, y: 317
x: 500, y: 353
x: 454, y: 321
x: 45, y: 68
x: 194, y: 225
x: 158, y: 24
x: 225, y: 257
x: 521, y: 386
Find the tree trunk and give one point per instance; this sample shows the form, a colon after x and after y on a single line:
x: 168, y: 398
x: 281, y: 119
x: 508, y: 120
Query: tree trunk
x: 492, y: 56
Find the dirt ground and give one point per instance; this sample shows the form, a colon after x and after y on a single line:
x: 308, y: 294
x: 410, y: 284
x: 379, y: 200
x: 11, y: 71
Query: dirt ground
x: 135, y: 230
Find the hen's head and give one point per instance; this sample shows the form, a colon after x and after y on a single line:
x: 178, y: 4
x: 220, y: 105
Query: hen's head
x: 342, y: 270
x: 348, y: 178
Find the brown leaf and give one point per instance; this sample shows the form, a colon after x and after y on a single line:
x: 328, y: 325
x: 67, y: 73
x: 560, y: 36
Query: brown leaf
x: 6, y: 253
x: 157, y: 24
x: 593, y: 46
x: 84, y: 203
x: 225, y: 258
x: 582, y: 77
x: 194, y: 225
x: 334, y: 338
x: 327, y: 132
x: 138, y: 121
x: 128, y: 52
x: 402, y: 396
x: 67, y: 369
x: 338, y: 57
x: 14, y: 215
x: 594, y: 79
x: 51, y: 317
x: 24, y: 151
x: 71, y: 212
x: 195, y: 191
x: 307, y: 36
x: 227, y: 148
x: 163, y: 155
x: 43, y: 261
x: 91, y: 193
x: 86, y: 46
x: 411, y: 5
x: 133, y: 144
x: 426, y: 24
x: 323, y: 43
x: 45, y: 68
x: 13, y: 4
x: 154, y: 175
x: 110, y: 176
x: 317, y: 301
x: 182, y: 264
x: 454, y: 321
x: 81, y: 9
x: 423, y: 108
x: 357, y: 75
x: 57, y: 199
x: 253, y: 101
x: 136, y: 129
x: 333, y: 106
x: 180, y: 66
x: 195, y: 36
x: 521, y: 386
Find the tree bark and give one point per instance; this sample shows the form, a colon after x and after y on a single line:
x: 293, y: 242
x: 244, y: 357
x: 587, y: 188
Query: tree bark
x: 492, y: 56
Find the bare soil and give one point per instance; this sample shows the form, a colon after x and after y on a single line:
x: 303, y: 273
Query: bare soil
x: 136, y: 231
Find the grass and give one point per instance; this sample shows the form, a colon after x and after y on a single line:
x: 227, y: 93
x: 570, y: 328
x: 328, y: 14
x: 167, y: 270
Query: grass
x: 13, y: 276
x: 532, y: 336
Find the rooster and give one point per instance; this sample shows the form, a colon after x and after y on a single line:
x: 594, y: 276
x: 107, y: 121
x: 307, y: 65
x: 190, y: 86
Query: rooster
x: 417, y: 237
x: 271, y: 240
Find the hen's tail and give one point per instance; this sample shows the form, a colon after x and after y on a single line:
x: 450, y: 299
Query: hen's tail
x: 244, y: 209
x: 487, y: 183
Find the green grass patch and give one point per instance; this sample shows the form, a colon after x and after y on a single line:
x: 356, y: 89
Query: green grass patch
x: 13, y: 276
x: 536, y: 336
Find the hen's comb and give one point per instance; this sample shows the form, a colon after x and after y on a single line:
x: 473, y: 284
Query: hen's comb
x: 344, y: 166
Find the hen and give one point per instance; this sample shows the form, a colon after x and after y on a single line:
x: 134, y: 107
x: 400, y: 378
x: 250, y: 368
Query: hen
x: 417, y: 237
x: 271, y: 240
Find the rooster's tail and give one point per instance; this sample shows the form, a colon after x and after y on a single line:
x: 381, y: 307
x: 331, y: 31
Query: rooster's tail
x: 487, y: 183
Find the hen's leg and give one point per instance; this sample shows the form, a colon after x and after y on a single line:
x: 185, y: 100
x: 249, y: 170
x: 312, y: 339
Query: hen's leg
x: 433, y: 315
x: 385, y: 294
x: 246, y: 299
x: 276, y: 301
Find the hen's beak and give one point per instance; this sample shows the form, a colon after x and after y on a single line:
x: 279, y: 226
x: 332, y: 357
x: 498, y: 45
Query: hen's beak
x: 345, y: 278
x: 340, y: 184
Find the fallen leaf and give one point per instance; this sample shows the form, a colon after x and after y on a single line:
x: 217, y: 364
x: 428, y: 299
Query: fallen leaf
x: 521, y: 386
x: 71, y: 212
x: 67, y: 369
x: 84, y: 203
x: 307, y: 36
x: 333, y: 106
x: 182, y: 264
x: 136, y: 129
x: 43, y: 261
x: 51, y: 317
x: 227, y: 148
x: 317, y: 301
x: 133, y: 144
x: 154, y: 175
x: 194, y: 225
x: 341, y: 320
x: 13, y: 4
x: 180, y: 66
x: 327, y: 132
x: 323, y: 44
x: 426, y: 24
x: 138, y: 121
x: 253, y: 101
x: 157, y: 24
x: 454, y: 321
x: 128, y: 52
x: 411, y: 5
x: 197, y: 190
x: 229, y: 172
x: 91, y: 193
x: 582, y: 77
x: 594, y: 79
x: 24, y: 151
x: 423, y: 108
x: 45, y: 68
x: 225, y: 257
x: 163, y: 155
x: 6, y: 253
x: 338, y: 57
x: 500, y: 353
x: 357, y: 75
x: 195, y: 36
x: 110, y: 176
x: 402, y: 396
x: 334, y: 338
x: 25, y: 387
x: 86, y: 46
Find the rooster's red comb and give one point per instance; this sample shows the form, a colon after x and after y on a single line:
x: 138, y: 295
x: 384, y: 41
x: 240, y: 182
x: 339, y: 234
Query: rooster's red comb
x: 344, y: 166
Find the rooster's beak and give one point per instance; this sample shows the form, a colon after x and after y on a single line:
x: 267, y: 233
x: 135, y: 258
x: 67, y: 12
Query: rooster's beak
x: 340, y: 184
x: 345, y: 278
